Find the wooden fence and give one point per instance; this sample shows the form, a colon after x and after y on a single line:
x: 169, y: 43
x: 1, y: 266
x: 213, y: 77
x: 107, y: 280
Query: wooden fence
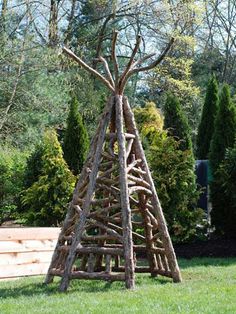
x: 26, y: 251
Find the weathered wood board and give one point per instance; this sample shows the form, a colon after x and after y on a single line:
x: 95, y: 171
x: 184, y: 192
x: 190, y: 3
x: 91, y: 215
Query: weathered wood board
x: 26, y: 251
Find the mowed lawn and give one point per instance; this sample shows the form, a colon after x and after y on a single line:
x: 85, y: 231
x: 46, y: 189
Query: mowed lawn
x: 209, y: 286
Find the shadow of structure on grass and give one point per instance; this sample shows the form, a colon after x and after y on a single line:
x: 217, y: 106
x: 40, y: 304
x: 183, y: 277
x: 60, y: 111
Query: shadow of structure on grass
x: 23, y: 288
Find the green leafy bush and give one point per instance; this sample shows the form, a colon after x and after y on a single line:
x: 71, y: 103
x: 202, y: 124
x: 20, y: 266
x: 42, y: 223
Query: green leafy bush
x: 46, y: 199
x: 224, y: 195
x: 12, y: 166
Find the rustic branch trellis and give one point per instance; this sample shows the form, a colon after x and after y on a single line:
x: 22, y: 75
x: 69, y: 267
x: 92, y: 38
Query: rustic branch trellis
x: 115, y: 196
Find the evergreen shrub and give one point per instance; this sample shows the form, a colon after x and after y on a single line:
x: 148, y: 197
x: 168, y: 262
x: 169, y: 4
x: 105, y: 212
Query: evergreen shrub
x: 46, y: 199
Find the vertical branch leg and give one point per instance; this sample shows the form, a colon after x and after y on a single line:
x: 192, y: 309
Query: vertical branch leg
x: 130, y: 122
x: 86, y: 204
x: 124, y: 197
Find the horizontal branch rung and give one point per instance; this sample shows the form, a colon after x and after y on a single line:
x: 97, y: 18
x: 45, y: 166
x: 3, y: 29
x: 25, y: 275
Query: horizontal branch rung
x: 114, y: 136
x: 90, y: 276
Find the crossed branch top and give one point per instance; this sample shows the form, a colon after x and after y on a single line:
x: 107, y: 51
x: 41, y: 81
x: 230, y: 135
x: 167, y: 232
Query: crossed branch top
x: 117, y: 84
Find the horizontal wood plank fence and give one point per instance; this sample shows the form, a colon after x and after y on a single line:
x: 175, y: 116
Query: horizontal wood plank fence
x: 26, y: 251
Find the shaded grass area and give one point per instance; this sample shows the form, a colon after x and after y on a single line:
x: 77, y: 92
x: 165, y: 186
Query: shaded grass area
x: 209, y: 286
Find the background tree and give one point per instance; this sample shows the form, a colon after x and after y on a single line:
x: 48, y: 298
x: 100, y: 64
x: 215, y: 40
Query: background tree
x: 225, y: 129
x: 76, y: 140
x: 12, y: 167
x: 46, y: 199
x: 206, y: 126
x: 176, y: 122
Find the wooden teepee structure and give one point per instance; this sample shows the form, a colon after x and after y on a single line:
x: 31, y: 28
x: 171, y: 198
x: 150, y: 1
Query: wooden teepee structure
x: 115, y: 197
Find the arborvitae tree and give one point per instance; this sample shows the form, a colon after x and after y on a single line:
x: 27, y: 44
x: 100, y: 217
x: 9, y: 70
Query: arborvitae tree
x: 223, y: 192
x: 176, y: 122
x: 206, y: 126
x: 225, y: 129
x: 46, y: 199
x: 76, y: 140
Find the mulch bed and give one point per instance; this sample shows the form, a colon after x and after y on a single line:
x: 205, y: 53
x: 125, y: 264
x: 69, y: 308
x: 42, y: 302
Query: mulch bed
x: 209, y: 248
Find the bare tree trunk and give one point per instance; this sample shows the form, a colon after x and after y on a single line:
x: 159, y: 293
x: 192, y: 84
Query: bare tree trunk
x: 17, y: 79
x: 53, y: 24
x: 68, y: 33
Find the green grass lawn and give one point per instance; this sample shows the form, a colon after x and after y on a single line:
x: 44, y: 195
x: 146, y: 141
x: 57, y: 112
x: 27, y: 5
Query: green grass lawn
x: 209, y: 286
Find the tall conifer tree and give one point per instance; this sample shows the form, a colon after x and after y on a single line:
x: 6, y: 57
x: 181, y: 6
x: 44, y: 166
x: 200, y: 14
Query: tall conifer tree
x: 206, y: 126
x: 225, y: 129
x: 176, y: 122
x: 76, y: 139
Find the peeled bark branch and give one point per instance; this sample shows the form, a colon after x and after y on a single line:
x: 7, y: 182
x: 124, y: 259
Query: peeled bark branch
x: 110, y: 78
x: 88, y: 68
x: 131, y: 60
x: 114, y: 57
